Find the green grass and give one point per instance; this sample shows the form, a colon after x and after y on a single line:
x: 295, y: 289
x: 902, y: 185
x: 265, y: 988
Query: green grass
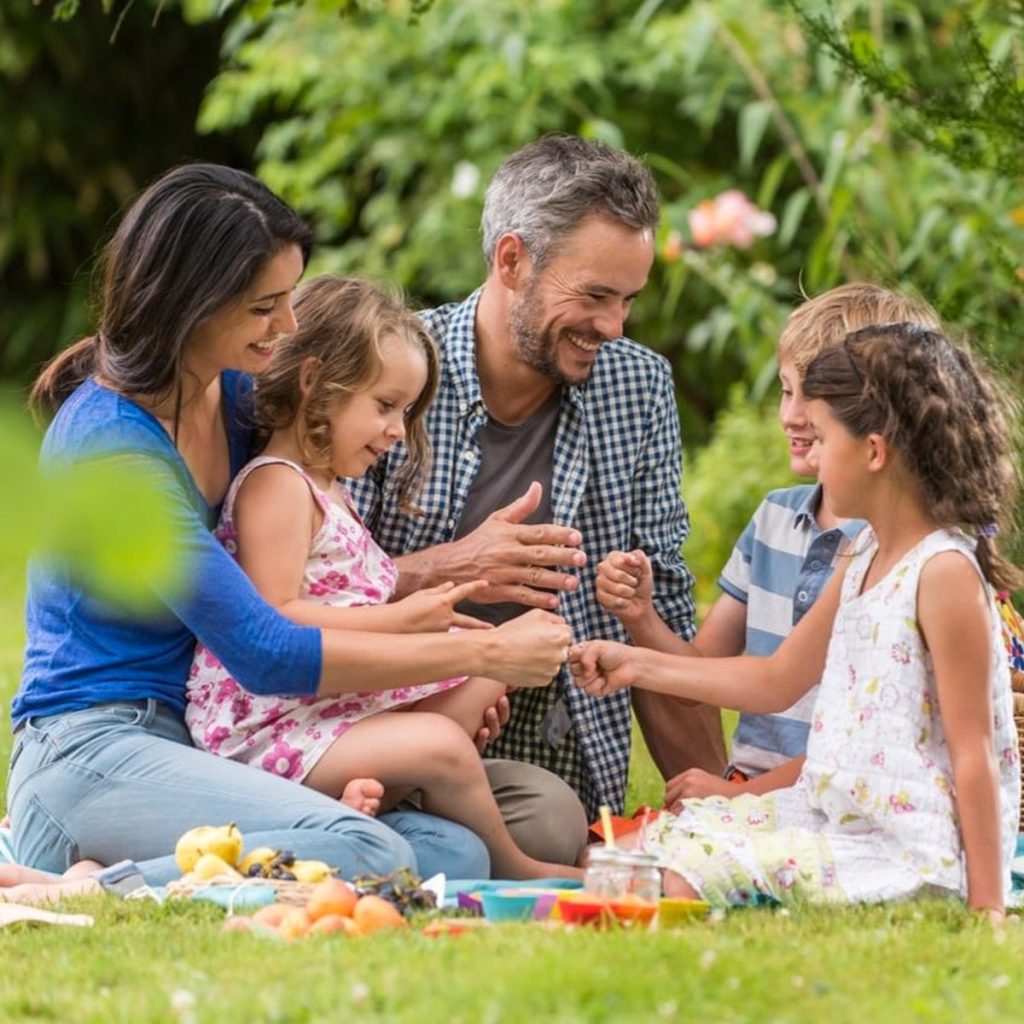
x: 142, y: 962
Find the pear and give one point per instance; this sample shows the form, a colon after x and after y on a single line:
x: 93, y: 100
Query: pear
x: 260, y: 857
x: 210, y: 865
x: 223, y: 840
x: 310, y: 871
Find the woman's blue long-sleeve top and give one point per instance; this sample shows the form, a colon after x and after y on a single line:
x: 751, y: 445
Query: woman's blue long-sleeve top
x: 82, y: 651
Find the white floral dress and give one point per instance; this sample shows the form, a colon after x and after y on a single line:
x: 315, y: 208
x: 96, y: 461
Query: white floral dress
x: 283, y: 735
x: 872, y: 816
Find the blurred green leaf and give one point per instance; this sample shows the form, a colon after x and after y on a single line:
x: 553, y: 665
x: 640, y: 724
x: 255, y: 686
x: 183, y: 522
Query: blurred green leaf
x: 106, y: 519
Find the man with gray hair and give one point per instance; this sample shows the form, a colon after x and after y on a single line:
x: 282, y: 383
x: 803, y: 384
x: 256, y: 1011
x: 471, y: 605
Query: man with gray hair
x: 555, y: 441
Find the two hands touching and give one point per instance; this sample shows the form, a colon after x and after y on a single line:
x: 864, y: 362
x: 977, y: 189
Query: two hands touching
x: 625, y: 589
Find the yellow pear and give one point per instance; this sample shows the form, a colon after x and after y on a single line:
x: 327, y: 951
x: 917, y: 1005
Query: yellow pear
x: 310, y: 871
x: 210, y: 865
x: 223, y: 840
x: 262, y: 856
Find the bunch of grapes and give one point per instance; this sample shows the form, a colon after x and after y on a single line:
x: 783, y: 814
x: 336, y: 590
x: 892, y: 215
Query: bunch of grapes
x: 401, y: 888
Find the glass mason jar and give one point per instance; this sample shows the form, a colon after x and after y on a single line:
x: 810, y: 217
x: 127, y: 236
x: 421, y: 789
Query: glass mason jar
x: 644, y: 874
x: 607, y: 873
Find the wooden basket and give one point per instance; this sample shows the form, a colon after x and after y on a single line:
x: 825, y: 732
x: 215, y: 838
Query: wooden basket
x: 296, y: 893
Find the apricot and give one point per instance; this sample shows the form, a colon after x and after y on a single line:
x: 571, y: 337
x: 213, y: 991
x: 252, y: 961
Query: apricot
x: 238, y: 923
x: 372, y: 913
x: 330, y: 923
x: 270, y: 916
x: 295, y: 923
x: 329, y: 897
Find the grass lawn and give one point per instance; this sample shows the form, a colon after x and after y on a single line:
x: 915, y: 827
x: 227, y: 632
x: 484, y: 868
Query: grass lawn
x: 143, y: 962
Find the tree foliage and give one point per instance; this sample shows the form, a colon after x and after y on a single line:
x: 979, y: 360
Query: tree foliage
x: 84, y: 123
x: 385, y: 133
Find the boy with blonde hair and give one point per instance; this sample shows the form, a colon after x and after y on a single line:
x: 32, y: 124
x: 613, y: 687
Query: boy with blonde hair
x: 780, y: 564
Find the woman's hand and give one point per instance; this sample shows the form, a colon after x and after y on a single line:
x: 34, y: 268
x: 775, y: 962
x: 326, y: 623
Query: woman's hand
x: 433, y: 610
x: 601, y: 667
x: 625, y: 585
x: 528, y: 650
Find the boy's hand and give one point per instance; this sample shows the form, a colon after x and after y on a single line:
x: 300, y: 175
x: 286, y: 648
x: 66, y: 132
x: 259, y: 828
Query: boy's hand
x: 600, y: 667
x: 433, y: 610
x: 625, y: 585
x: 695, y: 782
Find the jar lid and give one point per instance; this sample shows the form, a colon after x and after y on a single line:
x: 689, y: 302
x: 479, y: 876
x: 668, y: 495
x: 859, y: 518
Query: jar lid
x: 639, y: 858
x: 598, y: 854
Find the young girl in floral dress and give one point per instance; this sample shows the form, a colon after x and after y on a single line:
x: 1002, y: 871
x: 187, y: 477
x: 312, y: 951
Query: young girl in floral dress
x: 912, y: 781
x: 354, y: 379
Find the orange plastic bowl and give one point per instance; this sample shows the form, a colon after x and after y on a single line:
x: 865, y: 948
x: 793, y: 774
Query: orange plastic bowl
x: 634, y: 910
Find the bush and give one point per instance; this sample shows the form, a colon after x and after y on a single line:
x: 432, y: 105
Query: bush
x: 745, y: 459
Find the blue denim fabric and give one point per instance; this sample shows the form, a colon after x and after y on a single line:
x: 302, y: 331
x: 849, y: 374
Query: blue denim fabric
x: 122, y: 780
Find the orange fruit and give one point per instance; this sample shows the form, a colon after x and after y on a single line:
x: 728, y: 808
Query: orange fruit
x: 331, y: 896
x: 330, y: 923
x: 270, y: 916
x: 374, y: 912
x: 295, y: 923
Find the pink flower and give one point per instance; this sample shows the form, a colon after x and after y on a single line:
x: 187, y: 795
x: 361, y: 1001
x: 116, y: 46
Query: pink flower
x: 283, y: 760
x: 900, y: 803
x: 215, y: 736
x: 729, y: 219
x: 900, y: 653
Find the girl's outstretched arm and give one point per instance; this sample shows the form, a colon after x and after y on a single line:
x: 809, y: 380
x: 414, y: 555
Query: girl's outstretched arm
x: 276, y: 520
x: 758, y: 685
x: 955, y: 621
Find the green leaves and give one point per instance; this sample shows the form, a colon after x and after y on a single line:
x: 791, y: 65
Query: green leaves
x: 106, y: 519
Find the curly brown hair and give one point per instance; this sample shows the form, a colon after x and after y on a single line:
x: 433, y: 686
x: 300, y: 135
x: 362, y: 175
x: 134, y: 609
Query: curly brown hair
x: 951, y: 423
x: 343, y: 323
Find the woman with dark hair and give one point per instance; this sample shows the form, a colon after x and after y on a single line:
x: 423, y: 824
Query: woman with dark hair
x: 197, y: 287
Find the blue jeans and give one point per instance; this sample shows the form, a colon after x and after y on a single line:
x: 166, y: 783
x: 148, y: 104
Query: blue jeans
x: 123, y: 781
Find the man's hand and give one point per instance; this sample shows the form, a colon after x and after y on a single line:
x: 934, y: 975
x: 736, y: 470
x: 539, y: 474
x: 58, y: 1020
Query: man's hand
x: 625, y: 585
x: 601, y: 667
x: 495, y: 719
x: 695, y: 782
x: 519, y: 561
x: 433, y: 610
x: 528, y: 650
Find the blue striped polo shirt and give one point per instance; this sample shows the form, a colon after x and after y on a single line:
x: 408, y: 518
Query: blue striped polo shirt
x: 778, y: 567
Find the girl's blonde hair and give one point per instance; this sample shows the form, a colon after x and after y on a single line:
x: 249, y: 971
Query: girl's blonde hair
x: 343, y: 324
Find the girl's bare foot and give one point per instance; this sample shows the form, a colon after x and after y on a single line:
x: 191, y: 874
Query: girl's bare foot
x: 17, y: 874
x: 363, y: 795
x: 32, y: 893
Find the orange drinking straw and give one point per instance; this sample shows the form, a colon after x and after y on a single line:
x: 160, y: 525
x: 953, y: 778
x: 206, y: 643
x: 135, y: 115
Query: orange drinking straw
x: 606, y: 826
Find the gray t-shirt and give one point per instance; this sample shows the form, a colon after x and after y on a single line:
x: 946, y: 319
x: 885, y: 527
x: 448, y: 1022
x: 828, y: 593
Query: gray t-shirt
x: 511, y: 458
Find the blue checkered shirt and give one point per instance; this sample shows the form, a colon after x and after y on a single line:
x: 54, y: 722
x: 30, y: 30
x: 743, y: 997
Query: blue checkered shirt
x: 616, y: 479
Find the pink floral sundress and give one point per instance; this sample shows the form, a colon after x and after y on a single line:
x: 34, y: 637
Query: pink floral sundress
x: 288, y: 735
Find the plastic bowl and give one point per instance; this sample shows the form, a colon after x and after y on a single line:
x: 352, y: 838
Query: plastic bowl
x: 469, y: 901
x: 546, y: 901
x: 634, y: 910
x: 505, y: 906
x: 583, y: 908
x: 675, y: 912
